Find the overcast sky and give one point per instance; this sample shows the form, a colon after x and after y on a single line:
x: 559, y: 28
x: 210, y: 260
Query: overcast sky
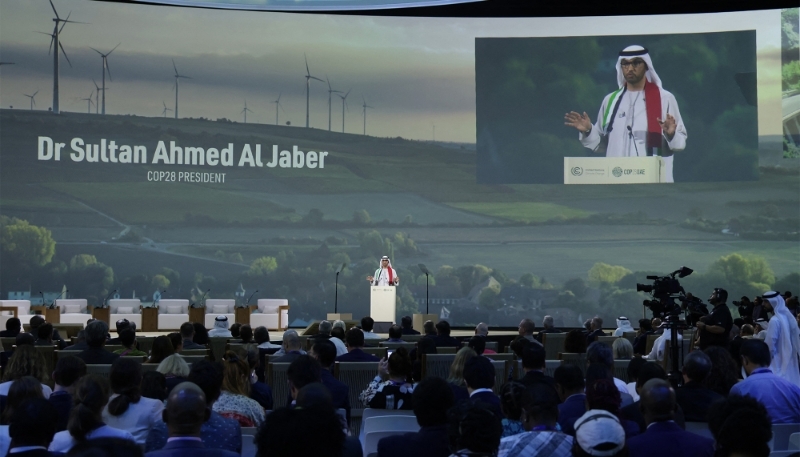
x: 415, y: 72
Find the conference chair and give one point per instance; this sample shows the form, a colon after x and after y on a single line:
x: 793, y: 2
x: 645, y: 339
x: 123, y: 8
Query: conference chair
x: 650, y: 340
x: 73, y: 310
x: 550, y: 367
x: 145, y: 343
x: 630, y: 336
x: 271, y: 313
x: 500, y: 356
x: 49, y: 355
x: 794, y: 441
x: 578, y: 360
x: 219, y: 307
x: 62, y: 354
x: 553, y: 344
x: 113, y: 347
x: 379, y: 352
x: 357, y: 375
x: 190, y: 359
x: 249, y: 431
x: 501, y: 369
x: 780, y: 436
x: 621, y: 370
x: 138, y: 358
x: 149, y: 367
x: 172, y: 313
x: 412, y: 338
x: 447, y: 350
x: 278, y: 381
x: 103, y: 370
x: 218, y: 346
x: 195, y: 352
x: 437, y: 365
x: 371, y: 441
x: 126, y: 308
x: 393, y: 345
x: 249, y: 448
x: 607, y: 340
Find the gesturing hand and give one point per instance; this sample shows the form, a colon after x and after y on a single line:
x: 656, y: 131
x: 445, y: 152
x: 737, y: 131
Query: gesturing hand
x: 581, y: 122
x: 668, y: 126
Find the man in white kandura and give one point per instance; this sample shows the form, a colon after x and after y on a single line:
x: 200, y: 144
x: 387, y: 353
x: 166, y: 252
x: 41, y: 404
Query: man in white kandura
x: 385, y: 275
x: 638, y: 119
x: 783, y: 339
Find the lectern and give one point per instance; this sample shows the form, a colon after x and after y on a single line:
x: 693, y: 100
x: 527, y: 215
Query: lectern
x: 614, y: 170
x: 197, y: 315
x: 102, y: 314
x: 383, y: 301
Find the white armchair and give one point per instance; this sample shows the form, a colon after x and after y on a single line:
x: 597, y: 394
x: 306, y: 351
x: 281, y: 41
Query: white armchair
x: 271, y: 313
x: 172, y: 313
x: 23, y: 311
x: 126, y: 309
x: 73, y: 310
x: 216, y: 307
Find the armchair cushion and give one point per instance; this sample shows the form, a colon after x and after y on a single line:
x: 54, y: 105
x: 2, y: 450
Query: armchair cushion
x: 72, y: 309
x: 220, y: 309
x: 124, y: 310
x: 174, y: 309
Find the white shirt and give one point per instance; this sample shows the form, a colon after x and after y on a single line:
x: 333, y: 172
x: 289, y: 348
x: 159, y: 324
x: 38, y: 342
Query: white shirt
x: 268, y: 345
x: 138, y: 419
x: 632, y: 391
x: 215, y: 332
x: 341, y: 349
x: 4, y: 387
x: 621, y: 386
x: 371, y: 336
x: 660, y: 344
x: 63, y: 441
x: 382, y: 277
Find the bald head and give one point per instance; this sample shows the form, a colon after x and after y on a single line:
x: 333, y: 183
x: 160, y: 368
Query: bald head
x: 186, y: 410
x: 657, y: 401
x: 291, y: 341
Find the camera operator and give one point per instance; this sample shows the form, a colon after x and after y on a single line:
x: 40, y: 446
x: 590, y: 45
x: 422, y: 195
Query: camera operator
x: 715, y: 328
x: 745, y: 307
x: 759, y: 311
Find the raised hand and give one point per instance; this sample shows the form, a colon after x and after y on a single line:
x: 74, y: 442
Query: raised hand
x: 370, y: 278
x: 581, y: 122
x: 668, y: 126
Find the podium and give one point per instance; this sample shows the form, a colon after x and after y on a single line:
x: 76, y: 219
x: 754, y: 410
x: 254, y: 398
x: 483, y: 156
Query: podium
x: 52, y: 315
x: 382, y: 303
x: 102, y: 314
x: 418, y: 320
x: 197, y: 315
x: 614, y: 170
x: 242, y: 314
x: 150, y: 319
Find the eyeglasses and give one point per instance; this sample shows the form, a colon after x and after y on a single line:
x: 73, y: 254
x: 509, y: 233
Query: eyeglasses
x: 634, y: 63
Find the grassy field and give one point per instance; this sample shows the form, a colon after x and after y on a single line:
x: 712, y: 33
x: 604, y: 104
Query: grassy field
x: 522, y: 211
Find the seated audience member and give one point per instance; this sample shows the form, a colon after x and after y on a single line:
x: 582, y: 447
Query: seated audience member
x: 443, y: 338
x: 355, y: 344
x: 548, y: 325
x: 482, y: 331
x: 575, y: 342
x: 392, y: 387
x: 456, y: 377
x: 127, y: 338
x: 259, y: 391
x: 174, y: 369
x: 217, y: 432
x: 13, y: 327
x: 339, y: 334
x: 694, y: 397
x: 511, y: 397
x: 286, y: 433
x: 740, y: 427
x: 570, y: 387
x: 162, y: 348
x: 762, y: 325
x: 595, y: 330
x: 200, y: 334
x: 477, y: 344
x: 779, y: 396
x: 220, y: 328
x: 177, y: 341
x: 432, y: 399
x: 526, y: 329
x: 25, y: 339
x: 540, y: 437
x: 68, y: 371
x: 127, y: 409
x: 724, y: 370
x: 395, y: 334
x: 292, y: 346
x: 640, y: 342
x: 600, y: 354
x: 325, y: 353
x: 747, y: 331
x: 663, y: 437
x: 660, y: 345
x: 33, y: 424
x: 96, y: 333
x: 80, y: 342
x: 634, y: 411
x: 261, y: 336
x: 622, y: 349
x: 599, y: 432
x: 37, y: 321
x: 479, y: 376
x: 407, y: 325
x: 634, y: 366
x: 429, y: 328
x: 186, y: 412
x: 86, y: 419
x: 325, y: 328
x: 44, y: 335
x: 623, y: 326
x: 105, y: 447
x: 246, y: 334
x: 25, y: 388
x: 315, y: 397
x: 121, y: 325
x: 234, y: 401
x: 367, y: 325
x: 601, y: 395
x: 235, y: 328
x: 473, y: 428
x: 154, y: 385
x: 26, y: 361
x: 303, y: 371
x: 533, y: 364
x: 187, y: 335
x: 340, y: 324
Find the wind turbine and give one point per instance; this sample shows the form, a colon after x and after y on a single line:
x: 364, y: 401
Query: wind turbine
x: 88, y: 103
x: 55, y: 45
x: 344, y: 104
x: 330, y: 91
x: 97, y: 97
x: 278, y: 105
x: 33, y: 102
x: 165, y: 108
x: 106, y: 69
x: 308, y: 86
x: 365, y: 106
x: 245, y: 110
x: 177, y: 76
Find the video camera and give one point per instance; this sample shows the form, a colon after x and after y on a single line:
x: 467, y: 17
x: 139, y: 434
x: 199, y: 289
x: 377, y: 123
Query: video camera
x: 695, y: 309
x: 665, y: 290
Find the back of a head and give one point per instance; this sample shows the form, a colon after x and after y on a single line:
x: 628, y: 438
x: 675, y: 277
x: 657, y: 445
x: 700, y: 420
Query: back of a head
x: 25, y: 339
x: 657, y: 400
x: 33, y: 423
x: 303, y: 370
x: 186, y: 410
x: 234, y: 329
x: 127, y: 337
x: 474, y: 427
x: 89, y: 399
x: 400, y: 363
x: 697, y: 366
x: 35, y: 322
x: 533, y: 357
x: 645, y: 325
x: 154, y: 385
x: 603, y: 394
x: 406, y: 322
x: 569, y: 377
x: 478, y: 344
x: 756, y: 351
x: 575, y: 342
x: 176, y: 340
x: 207, y: 376
x: 600, y: 353
x: 174, y: 365
x: 740, y: 425
x: 126, y: 380
x: 68, y: 370
x: 261, y: 335
x: 479, y: 373
x: 338, y: 332
x: 548, y: 322
x: 426, y: 346
x: 325, y: 328
x: 597, y: 322
x: 45, y: 331
x: 622, y: 349
x: 315, y: 396
x: 13, y: 324
x: 395, y: 332
x: 354, y: 338
x: 367, y: 323
x: 246, y: 333
x: 443, y: 328
x: 291, y: 341
x: 429, y: 327
x: 96, y: 333
x: 325, y: 352
x: 122, y: 324
x: 650, y: 371
x: 747, y: 330
x: 527, y: 326
x: 457, y: 367
x: 540, y: 402
x: 286, y: 433
x: 431, y: 399
x: 236, y: 374
x: 23, y: 389
x: 599, y: 432
x: 634, y: 366
x: 187, y: 330
x: 162, y: 348
x: 596, y: 372
x: 482, y: 329
x: 340, y: 324
x: 26, y: 361
x: 519, y: 345
x: 200, y: 333
x: 106, y: 447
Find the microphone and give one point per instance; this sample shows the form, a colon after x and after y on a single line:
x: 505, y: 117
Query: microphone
x: 247, y: 303
x: 203, y: 300
x: 163, y: 292
x: 105, y: 301
x: 636, y: 148
x: 53, y: 305
x: 42, y: 294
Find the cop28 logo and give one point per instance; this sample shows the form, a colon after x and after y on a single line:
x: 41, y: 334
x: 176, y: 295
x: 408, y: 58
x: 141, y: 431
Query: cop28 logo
x: 617, y: 172
x: 577, y: 171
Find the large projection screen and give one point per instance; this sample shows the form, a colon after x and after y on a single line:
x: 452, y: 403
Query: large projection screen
x: 220, y: 153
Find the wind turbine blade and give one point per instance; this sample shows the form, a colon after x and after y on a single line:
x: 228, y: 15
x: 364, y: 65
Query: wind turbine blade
x: 95, y: 85
x: 54, y: 9
x: 348, y: 93
x: 34, y: 94
x: 68, y: 15
x: 95, y: 50
x: 108, y: 69
x: 329, y: 83
x: 314, y: 77
x: 175, y: 67
x: 185, y: 77
x: 279, y: 97
x: 308, y: 73
x: 65, y: 53
x: 115, y: 47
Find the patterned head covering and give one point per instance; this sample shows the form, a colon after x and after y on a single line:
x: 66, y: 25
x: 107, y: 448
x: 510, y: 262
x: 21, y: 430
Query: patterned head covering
x: 632, y: 52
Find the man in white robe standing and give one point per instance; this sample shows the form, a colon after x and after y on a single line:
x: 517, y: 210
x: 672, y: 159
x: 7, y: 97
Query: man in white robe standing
x: 385, y: 275
x: 783, y: 339
x: 639, y: 119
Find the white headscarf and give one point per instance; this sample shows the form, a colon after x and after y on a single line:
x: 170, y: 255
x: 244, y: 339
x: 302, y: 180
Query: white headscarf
x: 221, y: 322
x: 623, y: 325
x: 641, y: 52
x: 783, y: 339
x: 388, y: 267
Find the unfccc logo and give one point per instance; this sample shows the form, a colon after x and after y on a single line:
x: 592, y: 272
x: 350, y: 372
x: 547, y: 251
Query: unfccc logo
x: 577, y: 171
x: 617, y: 172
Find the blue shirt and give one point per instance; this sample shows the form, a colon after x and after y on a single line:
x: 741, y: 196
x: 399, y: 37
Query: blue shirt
x: 779, y: 396
x: 217, y: 433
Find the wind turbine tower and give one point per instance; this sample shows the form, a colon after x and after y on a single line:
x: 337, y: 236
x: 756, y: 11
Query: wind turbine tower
x: 330, y: 91
x: 245, y: 110
x: 105, y: 70
x: 365, y: 106
x: 55, y: 45
x: 88, y: 103
x: 97, y: 97
x: 278, y: 105
x: 177, y: 77
x: 165, y: 108
x: 344, y: 104
x: 33, y: 102
x: 308, y: 87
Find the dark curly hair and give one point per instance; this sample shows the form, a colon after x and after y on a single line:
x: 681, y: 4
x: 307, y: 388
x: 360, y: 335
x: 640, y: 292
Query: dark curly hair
x: 741, y: 425
x: 724, y: 370
x: 474, y: 427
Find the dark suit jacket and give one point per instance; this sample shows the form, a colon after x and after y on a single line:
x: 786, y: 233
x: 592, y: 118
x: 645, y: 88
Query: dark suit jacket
x: 446, y: 341
x: 537, y: 377
x: 634, y: 413
x: 38, y: 453
x: 9, y: 334
x: 695, y: 400
x: 640, y: 343
x: 62, y: 401
x: 571, y: 410
x: 491, y: 400
x: 459, y: 392
x: 340, y: 392
x: 540, y: 336
x: 187, y: 448
x: 410, y: 331
x: 289, y: 357
x: 262, y: 393
x: 427, y: 442
x: 357, y: 355
x: 592, y: 337
x: 189, y: 344
x: 97, y: 356
x: 667, y: 439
